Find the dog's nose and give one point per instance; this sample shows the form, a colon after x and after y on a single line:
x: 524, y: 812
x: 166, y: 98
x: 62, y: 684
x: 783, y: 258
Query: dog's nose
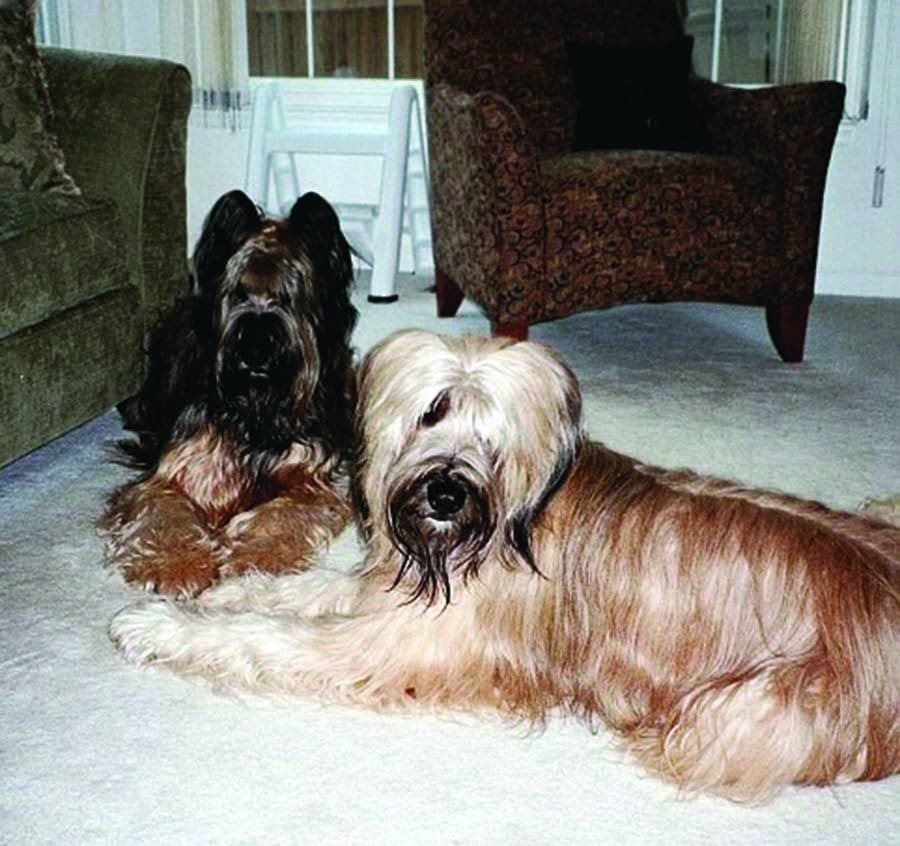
x: 446, y: 496
x: 254, y: 340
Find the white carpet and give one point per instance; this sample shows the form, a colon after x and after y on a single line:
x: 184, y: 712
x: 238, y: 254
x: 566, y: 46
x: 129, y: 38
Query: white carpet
x: 95, y: 751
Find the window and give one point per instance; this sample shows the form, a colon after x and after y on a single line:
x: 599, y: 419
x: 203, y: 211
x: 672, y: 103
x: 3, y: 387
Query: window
x: 336, y: 38
x: 783, y: 41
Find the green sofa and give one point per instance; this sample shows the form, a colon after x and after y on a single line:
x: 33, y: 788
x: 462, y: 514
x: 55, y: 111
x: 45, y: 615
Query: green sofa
x: 81, y: 278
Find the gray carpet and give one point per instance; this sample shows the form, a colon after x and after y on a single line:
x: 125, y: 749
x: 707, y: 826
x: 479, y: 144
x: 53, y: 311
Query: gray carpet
x: 95, y: 751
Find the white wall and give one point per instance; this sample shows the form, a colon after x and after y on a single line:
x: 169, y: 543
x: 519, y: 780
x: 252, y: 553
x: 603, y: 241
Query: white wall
x: 860, y: 247
x: 215, y: 164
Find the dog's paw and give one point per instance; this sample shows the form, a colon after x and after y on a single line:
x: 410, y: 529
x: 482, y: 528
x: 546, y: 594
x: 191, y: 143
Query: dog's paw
x: 149, y: 632
x: 280, y: 536
x: 177, y: 575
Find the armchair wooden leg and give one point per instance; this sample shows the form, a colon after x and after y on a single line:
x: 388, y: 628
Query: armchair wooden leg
x: 516, y: 330
x: 448, y: 294
x: 787, y: 329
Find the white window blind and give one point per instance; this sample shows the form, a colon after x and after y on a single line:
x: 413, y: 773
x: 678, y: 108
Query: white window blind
x: 380, y: 39
x: 758, y: 42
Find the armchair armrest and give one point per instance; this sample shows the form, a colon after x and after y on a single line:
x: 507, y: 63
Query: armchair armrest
x: 789, y: 131
x: 487, y: 199
x: 122, y: 126
x: 771, y: 125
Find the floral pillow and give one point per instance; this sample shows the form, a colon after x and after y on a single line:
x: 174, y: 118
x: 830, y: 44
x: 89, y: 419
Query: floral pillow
x: 30, y: 158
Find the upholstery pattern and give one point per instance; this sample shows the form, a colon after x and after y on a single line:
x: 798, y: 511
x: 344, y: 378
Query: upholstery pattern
x: 84, y: 276
x: 656, y: 226
x: 516, y: 48
x: 58, y: 373
x: 30, y: 157
x: 134, y: 112
x: 72, y: 244
x: 789, y: 131
x: 532, y: 231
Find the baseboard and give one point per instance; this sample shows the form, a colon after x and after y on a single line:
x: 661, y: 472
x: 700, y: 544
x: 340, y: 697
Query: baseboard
x: 855, y: 284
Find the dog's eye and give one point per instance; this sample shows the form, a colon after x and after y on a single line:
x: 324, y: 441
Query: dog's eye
x: 437, y: 411
x: 240, y: 294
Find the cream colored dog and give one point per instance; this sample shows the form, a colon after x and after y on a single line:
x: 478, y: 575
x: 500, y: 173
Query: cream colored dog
x: 737, y: 640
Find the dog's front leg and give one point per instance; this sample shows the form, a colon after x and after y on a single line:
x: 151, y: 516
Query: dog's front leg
x: 284, y: 533
x: 157, y: 538
x: 394, y: 656
x: 307, y: 594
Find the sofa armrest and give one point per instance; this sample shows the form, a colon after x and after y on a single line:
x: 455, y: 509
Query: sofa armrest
x: 789, y: 131
x: 122, y: 126
x: 486, y: 195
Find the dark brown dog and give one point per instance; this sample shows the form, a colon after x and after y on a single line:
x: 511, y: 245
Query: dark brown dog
x: 244, y: 420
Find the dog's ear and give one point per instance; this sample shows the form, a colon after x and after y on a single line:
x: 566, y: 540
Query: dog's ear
x: 567, y: 447
x: 315, y: 223
x: 316, y: 226
x: 231, y: 221
x: 521, y: 521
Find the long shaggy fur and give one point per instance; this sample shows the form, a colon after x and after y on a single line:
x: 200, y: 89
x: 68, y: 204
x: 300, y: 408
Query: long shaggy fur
x: 737, y: 640
x: 244, y: 420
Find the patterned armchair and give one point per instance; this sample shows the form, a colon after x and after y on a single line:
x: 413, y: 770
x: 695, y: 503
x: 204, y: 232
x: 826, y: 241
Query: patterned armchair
x: 532, y: 231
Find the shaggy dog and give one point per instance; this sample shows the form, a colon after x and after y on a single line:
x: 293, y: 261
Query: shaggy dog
x: 737, y: 640
x: 245, y: 416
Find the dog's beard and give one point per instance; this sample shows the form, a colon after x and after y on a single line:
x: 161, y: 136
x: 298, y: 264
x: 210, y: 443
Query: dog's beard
x: 434, y: 542
x: 264, y: 385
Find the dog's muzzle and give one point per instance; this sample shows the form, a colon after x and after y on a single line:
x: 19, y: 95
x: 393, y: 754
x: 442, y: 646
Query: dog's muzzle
x: 259, y: 339
x: 440, y: 521
x: 445, y: 505
x: 259, y: 357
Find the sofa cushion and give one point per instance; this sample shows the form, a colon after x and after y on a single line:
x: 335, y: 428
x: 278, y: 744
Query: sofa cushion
x: 57, y: 251
x: 30, y: 157
x: 65, y: 370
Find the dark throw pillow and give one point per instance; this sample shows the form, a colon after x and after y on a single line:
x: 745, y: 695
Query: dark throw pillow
x: 30, y: 158
x: 633, y: 98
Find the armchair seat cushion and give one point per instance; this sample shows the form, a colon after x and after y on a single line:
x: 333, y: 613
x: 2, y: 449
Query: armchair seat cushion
x: 627, y: 226
x: 58, y: 251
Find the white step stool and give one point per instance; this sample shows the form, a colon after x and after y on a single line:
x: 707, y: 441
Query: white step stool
x: 373, y: 230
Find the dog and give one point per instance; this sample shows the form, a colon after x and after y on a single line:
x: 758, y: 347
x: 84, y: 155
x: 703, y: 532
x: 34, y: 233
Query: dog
x: 736, y: 640
x: 245, y: 419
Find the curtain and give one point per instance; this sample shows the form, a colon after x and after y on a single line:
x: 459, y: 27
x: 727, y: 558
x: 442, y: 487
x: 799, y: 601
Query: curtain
x: 208, y: 36
x: 810, y: 40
